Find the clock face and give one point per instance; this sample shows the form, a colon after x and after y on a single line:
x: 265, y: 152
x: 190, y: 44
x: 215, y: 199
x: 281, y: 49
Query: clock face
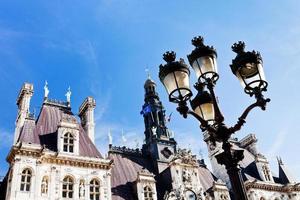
x: 190, y: 195
x: 166, y: 152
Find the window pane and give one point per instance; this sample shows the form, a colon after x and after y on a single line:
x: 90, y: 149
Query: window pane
x: 71, y: 149
x: 70, y: 194
x: 27, y: 187
x: 22, y: 187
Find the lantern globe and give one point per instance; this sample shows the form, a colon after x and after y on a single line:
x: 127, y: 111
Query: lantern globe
x: 203, y: 106
x: 175, y: 77
x: 203, y: 61
x: 248, y: 68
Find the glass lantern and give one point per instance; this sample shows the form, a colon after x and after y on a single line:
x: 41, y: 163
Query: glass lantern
x: 175, y: 77
x: 248, y: 68
x: 203, y: 61
x: 203, y: 106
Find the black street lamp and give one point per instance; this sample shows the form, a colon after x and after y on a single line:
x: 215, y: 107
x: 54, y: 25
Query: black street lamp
x: 247, y: 67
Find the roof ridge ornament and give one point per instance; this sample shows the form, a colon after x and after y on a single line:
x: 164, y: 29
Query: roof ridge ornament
x: 46, y: 90
x: 68, y: 95
x: 148, y: 73
x: 110, y: 139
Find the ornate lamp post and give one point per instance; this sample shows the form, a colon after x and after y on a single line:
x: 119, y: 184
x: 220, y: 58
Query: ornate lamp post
x: 247, y: 67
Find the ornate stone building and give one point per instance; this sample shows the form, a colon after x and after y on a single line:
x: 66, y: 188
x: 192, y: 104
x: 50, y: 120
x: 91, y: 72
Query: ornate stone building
x: 54, y: 157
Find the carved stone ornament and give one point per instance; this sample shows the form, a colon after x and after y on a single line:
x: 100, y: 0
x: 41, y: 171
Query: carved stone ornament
x: 186, y: 157
x: 68, y: 118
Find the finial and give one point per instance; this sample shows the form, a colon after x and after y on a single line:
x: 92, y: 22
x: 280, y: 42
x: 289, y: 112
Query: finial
x: 123, y: 137
x: 279, y: 160
x: 169, y: 56
x: 148, y: 73
x: 238, y: 47
x: 198, y: 41
x: 110, y: 139
x: 46, y: 90
x: 68, y: 95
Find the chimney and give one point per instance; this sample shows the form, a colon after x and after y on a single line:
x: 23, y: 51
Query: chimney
x: 23, y: 103
x: 86, y: 114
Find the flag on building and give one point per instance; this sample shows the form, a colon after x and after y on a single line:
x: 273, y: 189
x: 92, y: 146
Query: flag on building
x: 146, y: 109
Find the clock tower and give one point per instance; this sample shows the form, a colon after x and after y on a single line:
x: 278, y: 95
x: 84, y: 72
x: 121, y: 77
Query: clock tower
x: 159, y: 144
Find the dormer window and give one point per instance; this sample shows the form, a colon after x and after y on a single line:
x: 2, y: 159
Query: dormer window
x: 68, y: 145
x: 266, y: 173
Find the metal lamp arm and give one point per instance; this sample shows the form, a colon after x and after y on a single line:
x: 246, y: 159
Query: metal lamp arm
x: 242, y: 119
x: 204, y: 125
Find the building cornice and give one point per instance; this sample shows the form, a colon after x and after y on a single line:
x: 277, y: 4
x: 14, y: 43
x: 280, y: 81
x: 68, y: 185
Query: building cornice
x: 272, y: 187
x: 45, y: 156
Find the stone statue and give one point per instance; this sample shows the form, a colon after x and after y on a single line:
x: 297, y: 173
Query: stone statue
x: 81, y: 190
x: 44, y: 186
x: 46, y: 90
x: 68, y: 95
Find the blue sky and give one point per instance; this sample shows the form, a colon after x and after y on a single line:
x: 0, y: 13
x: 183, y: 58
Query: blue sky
x: 102, y: 48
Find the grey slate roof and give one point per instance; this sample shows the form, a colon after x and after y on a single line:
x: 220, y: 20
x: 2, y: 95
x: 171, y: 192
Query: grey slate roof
x: 43, y: 131
x: 124, y: 174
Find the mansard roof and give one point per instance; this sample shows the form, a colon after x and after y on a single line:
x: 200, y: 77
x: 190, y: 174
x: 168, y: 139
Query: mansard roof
x: 127, y: 164
x: 43, y: 131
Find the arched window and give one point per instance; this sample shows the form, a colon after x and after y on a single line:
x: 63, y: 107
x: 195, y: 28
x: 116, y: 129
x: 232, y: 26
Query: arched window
x: 26, y: 180
x: 266, y: 173
x: 223, y: 197
x: 261, y: 198
x: 44, y: 186
x: 94, y: 190
x: 68, y: 143
x: 148, y: 194
x: 67, y: 187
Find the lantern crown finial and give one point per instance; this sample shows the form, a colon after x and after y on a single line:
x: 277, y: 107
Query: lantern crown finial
x: 238, y: 47
x: 169, y: 56
x: 198, y: 41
